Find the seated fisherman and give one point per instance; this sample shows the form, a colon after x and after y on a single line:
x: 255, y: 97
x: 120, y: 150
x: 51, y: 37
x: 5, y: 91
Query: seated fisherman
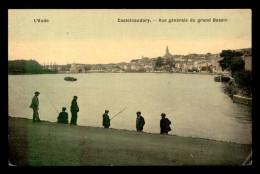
x: 63, y: 116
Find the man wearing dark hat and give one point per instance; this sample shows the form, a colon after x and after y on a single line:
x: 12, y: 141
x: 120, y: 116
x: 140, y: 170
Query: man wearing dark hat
x: 63, y: 116
x: 106, y: 119
x: 74, y: 110
x: 139, y: 122
x: 35, y: 106
x: 165, y: 124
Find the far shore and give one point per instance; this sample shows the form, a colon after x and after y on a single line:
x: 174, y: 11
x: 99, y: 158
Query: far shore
x: 201, y: 73
x: 54, y: 144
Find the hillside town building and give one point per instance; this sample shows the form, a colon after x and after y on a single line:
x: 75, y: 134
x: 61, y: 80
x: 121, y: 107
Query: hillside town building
x: 171, y: 63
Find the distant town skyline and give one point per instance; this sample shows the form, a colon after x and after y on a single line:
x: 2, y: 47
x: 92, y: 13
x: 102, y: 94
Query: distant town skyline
x: 96, y: 36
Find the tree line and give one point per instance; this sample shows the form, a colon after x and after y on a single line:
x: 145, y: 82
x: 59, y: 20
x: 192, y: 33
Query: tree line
x: 233, y: 62
x: 27, y: 67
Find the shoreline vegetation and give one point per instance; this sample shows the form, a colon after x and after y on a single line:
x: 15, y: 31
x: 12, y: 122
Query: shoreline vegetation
x: 240, y: 78
x: 54, y: 144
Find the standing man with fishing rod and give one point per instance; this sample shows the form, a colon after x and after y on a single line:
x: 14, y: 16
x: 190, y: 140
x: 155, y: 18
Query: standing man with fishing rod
x: 74, y: 110
x: 35, y: 106
x: 106, y: 119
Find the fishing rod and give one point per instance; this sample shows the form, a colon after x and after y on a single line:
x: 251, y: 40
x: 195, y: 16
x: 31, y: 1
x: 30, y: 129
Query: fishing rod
x: 52, y: 104
x: 118, y: 113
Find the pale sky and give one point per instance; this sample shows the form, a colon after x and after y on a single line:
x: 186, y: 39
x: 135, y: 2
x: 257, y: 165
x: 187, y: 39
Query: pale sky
x: 95, y: 36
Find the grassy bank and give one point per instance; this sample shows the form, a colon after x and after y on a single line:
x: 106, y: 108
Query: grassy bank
x: 53, y: 144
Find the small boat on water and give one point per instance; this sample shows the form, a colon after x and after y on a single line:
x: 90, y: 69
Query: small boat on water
x: 70, y: 79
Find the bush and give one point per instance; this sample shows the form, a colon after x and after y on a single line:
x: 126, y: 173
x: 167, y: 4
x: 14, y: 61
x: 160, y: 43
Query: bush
x: 237, y: 64
x: 243, y: 79
x: 230, y: 91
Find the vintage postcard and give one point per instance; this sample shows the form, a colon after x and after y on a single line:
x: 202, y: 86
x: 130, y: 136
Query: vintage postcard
x: 129, y: 87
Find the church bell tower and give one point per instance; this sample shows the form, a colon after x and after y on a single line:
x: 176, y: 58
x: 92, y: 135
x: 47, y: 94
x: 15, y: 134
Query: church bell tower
x: 167, y: 54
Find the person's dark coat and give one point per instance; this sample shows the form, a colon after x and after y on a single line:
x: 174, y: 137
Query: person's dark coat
x: 35, y: 103
x: 106, y: 120
x: 140, y: 123
x: 74, y: 110
x: 165, y: 125
x: 74, y: 106
x: 35, y: 106
x: 63, y: 117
